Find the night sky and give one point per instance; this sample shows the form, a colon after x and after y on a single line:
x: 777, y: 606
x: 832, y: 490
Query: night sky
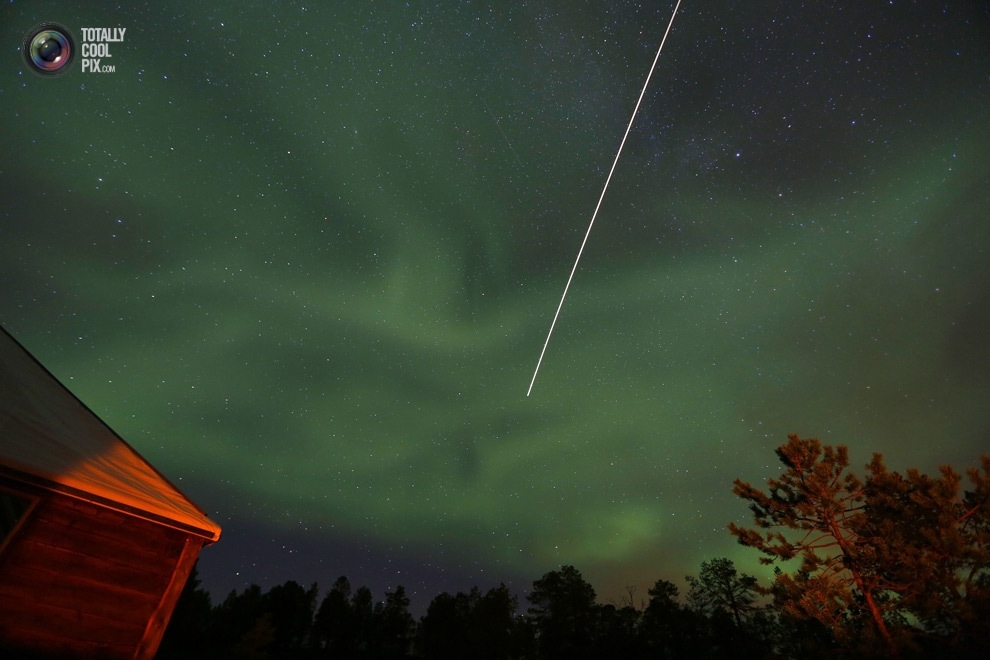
x: 303, y: 258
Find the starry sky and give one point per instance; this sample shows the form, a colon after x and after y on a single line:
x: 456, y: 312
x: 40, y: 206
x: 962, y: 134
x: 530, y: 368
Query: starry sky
x: 303, y: 257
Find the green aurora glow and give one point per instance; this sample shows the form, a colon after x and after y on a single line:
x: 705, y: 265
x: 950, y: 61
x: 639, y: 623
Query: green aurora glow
x: 304, y: 262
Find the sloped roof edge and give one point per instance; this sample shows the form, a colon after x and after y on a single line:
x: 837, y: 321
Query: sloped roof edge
x: 50, y: 438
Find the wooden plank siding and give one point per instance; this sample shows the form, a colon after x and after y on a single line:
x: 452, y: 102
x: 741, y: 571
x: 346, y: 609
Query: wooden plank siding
x: 83, y: 581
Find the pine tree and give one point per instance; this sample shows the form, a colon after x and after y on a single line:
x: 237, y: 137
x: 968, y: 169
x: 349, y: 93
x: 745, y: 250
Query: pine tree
x: 888, y: 563
x: 564, y: 611
x: 719, y: 586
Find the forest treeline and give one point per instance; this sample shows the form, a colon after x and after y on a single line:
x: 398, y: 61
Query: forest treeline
x: 883, y: 565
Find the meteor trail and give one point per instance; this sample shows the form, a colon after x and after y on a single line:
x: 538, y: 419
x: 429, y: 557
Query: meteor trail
x: 601, y: 197
x: 499, y: 126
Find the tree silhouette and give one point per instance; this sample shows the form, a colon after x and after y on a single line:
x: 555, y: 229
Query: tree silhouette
x: 362, y: 621
x: 256, y: 641
x: 615, y: 635
x: 333, y: 628
x: 661, y: 626
x: 469, y: 625
x: 495, y: 626
x: 290, y: 609
x: 727, y: 599
x: 393, y: 626
x: 719, y: 586
x: 236, y: 617
x: 445, y: 631
x: 563, y: 611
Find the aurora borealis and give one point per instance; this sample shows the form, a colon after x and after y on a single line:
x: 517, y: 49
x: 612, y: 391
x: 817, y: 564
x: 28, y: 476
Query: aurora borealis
x: 303, y: 257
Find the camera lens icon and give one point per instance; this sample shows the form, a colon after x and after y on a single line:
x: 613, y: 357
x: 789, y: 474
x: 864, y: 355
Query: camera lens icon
x: 49, y: 49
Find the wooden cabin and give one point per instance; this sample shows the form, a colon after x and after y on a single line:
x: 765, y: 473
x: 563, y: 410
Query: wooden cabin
x: 95, y: 544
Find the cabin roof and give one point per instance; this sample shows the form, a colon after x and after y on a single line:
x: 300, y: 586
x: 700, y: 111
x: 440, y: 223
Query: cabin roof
x: 50, y: 438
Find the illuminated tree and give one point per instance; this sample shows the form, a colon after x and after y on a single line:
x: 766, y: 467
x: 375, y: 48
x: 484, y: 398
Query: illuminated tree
x: 882, y: 560
x: 936, y: 552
